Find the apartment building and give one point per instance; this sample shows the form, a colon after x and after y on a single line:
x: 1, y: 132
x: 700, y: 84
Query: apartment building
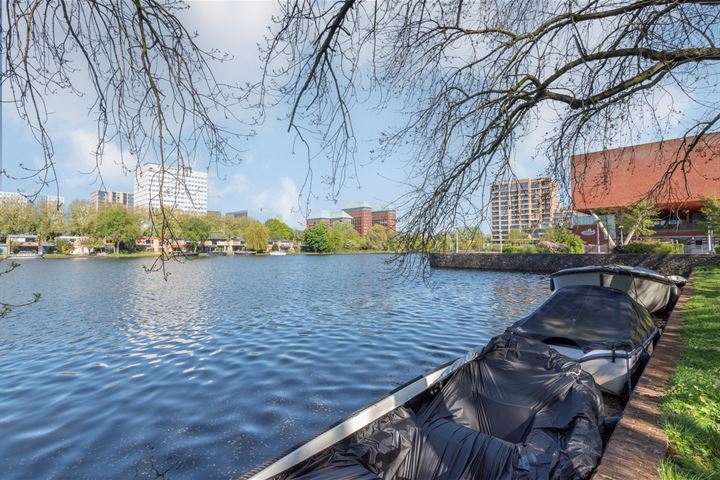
x: 111, y: 197
x: 183, y: 189
x: 529, y: 205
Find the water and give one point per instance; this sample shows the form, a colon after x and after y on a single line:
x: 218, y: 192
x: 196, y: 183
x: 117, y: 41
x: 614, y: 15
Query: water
x: 118, y: 374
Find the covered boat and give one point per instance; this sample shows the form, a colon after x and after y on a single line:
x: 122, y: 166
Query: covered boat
x: 655, y: 291
x: 609, y: 333
x: 517, y: 409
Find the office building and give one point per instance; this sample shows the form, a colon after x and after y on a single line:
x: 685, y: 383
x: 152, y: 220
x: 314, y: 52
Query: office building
x: 361, y: 215
x: 529, y: 205
x: 183, y: 189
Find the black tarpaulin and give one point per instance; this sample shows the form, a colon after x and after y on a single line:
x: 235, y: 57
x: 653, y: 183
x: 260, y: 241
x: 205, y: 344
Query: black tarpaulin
x: 590, y: 317
x: 519, y: 410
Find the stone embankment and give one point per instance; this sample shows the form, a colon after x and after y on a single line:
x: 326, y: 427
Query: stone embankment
x: 550, y: 262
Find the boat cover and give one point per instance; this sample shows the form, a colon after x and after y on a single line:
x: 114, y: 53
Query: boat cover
x: 624, y: 270
x: 517, y: 410
x: 589, y: 317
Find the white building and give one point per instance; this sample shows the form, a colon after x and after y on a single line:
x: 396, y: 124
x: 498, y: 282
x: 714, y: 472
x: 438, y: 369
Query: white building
x: 12, y: 197
x: 182, y: 189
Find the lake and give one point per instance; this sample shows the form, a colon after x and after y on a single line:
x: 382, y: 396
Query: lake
x: 117, y: 373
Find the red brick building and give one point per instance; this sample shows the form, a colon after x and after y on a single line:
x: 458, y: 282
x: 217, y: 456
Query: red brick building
x: 614, y: 179
x: 362, y: 216
x: 386, y: 217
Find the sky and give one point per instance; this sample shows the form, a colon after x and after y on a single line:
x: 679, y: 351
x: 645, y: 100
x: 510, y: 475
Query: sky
x: 271, y: 179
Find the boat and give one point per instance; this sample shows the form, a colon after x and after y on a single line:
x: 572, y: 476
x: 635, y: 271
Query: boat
x: 604, y: 329
x: 516, y: 409
x: 277, y: 253
x: 658, y: 293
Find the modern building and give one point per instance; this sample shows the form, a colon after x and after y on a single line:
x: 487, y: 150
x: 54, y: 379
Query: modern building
x: 111, y: 197
x: 13, y: 197
x: 183, y: 189
x: 385, y: 216
x: 361, y: 215
x: 529, y: 205
x: 611, y: 180
x: 237, y: 214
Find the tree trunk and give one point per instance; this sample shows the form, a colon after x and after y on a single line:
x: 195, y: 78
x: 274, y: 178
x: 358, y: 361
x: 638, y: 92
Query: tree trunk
x: 603, y: 228
x: 117, y: 247
x: 629, y: 237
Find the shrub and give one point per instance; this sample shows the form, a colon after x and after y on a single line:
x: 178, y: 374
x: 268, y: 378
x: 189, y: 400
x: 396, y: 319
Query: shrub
x: 520, y: 249
x: 653, y: 246
x: 565, y: 238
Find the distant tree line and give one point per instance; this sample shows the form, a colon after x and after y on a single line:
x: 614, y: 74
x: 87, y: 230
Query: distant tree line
x: 122, y: 227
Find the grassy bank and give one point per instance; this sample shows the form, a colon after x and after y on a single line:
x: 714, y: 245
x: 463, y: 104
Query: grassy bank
x: 692, y: 409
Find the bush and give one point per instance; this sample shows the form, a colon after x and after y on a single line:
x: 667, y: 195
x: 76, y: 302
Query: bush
x: 520, y: 249
x: 653, y: 246
x: 561, y: 240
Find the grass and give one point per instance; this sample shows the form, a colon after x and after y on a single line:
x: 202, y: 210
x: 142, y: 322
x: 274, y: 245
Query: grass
x: 691, y: 411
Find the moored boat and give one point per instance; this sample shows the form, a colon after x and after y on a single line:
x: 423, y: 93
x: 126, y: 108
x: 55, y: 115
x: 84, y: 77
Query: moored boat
x: 517, y: 409
x: 655, y: 291
x: 604, y: 329
x: 24, y: 255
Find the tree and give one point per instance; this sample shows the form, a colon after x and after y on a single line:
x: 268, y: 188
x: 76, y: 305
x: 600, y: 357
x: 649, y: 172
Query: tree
x: 151, y: 87
x: 377, y: 237
x: 565, y: 238
x: 235, y: 226
x: 256, y: 236
x: 82, y: 218
x: 278, y: 230
x: 711, y: 210
x: 118, y: 225
x: 471, y: 238
x: 476, y: 77
x: 335, y: 239
x: 517, y: 237
x: 195, y: 229
x: 50, y: 221
x: 349, y: 237
x: 17, y: 216
x: 317, y: 238
x: 639, y: 218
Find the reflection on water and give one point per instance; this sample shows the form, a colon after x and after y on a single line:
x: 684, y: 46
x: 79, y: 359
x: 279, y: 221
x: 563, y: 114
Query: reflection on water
x: 119, y: 374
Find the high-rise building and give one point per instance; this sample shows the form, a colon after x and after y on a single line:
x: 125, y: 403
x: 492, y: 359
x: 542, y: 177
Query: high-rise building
x: 529, y: 205
x: 103, y: 197
x: 12, y: 197
x: 183, y: 189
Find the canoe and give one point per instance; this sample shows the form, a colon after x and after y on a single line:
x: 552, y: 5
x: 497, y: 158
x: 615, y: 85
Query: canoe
x: 516, y: 409
x: 604, y: 329
x: 658, y: 293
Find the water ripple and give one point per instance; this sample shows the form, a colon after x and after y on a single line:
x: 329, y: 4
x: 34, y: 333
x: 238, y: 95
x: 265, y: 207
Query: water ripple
x: 120, y: 374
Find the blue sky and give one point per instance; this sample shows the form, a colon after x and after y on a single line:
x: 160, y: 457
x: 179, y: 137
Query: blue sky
x: 270, y: 179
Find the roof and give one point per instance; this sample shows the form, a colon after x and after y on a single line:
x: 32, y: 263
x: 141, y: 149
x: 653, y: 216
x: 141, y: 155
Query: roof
x: 384, y: 208
x: 338, y: 215
x: 321, y: 215
x: 357, y: 205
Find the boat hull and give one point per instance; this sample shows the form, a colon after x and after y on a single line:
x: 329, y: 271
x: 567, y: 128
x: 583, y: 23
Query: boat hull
x: 655, y: 294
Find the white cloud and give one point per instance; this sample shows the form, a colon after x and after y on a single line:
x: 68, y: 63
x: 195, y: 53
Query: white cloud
x: 80, y: 166
x: 234, y: 185
x: 281, y: 201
